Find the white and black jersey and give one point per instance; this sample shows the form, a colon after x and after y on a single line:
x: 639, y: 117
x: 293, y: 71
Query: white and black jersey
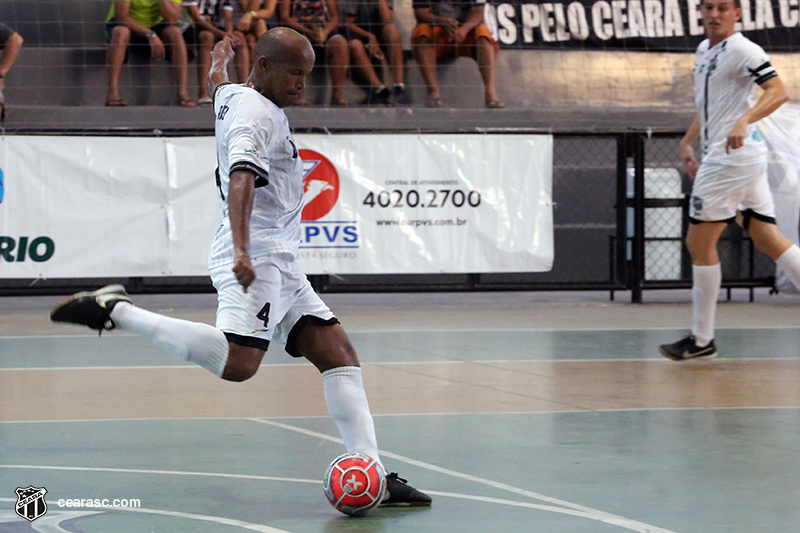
x: 252, y: 133
x: 725, y: 76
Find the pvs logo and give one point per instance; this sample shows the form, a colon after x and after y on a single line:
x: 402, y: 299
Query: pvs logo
x: 321, y: 191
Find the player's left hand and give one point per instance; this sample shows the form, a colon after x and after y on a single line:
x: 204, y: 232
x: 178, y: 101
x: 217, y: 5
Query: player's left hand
x: 243, y: 269
x: 736, y: 136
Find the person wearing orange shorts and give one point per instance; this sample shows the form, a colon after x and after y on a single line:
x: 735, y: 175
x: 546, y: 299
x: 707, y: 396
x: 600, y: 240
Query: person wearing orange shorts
x: 454, y: 28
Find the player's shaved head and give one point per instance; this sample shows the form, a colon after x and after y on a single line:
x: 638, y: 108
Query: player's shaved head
x: 283, y: 59
x: 279, y: 44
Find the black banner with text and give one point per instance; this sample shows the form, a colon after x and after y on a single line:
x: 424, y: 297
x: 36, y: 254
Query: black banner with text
x: 658, y: 25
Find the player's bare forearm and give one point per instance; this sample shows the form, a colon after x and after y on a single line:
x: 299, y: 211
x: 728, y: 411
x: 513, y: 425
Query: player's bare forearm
x: 241, y: 192
x: 221, y: 55
x: 687, y: 152
x: 774, y: 96
x: 692, y: 134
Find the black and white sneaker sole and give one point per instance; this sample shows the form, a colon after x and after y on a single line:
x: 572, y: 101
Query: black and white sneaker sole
x: 66, y: 312
x: 689, y: 358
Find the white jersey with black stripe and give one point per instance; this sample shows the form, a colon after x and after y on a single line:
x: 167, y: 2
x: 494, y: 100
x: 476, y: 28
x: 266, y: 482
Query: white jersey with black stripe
x: 725, y: 76
x: 253, y: 134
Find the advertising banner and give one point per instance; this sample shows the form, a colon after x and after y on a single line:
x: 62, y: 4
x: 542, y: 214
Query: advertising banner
x: 658, y: 25
x: 375, y: 204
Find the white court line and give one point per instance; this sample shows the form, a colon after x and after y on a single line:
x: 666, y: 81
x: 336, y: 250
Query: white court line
x: 483, y: 499
x: 162, y: 472
x: 204, y: 518
x: 592, y: 514
x: 461, y: 330
x: 661, y: 360
x: 453, y: 413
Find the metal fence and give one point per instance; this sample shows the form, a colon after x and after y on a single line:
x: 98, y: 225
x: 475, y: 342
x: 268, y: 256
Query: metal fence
x: 620, y: 218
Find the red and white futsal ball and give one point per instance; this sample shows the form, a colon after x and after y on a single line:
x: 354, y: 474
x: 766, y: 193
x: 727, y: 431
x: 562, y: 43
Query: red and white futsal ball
x: 354, y: 483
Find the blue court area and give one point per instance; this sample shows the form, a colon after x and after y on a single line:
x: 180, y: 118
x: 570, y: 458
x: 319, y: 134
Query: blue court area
x: 579, y: 431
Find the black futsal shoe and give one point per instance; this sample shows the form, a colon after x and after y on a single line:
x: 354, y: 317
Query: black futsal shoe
x: 687, y: 349
x: 92, y: 309
x: 400, y: 494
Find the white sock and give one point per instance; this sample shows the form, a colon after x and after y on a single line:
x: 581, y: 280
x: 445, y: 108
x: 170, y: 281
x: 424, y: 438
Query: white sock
x: 789, y: 262
x: 190, y: 341
x: 706, y: 281
x: 348, y: 407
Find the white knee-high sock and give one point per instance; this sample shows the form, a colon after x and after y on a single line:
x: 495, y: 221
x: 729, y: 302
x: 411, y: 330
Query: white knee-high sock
x: 348, y: 407
x: 789, y: 262
x: 706, y: 281
x: 190, y: 341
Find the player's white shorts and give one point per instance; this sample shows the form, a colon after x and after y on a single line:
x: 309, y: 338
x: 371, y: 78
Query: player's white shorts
x: 721, y: 190
x: 275, y: 307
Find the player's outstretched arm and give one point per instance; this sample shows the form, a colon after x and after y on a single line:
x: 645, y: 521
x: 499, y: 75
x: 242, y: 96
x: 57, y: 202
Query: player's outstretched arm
x: 774, y: 96
x: 687, y: 152
x: 221, y: 55
x: 241, y: 192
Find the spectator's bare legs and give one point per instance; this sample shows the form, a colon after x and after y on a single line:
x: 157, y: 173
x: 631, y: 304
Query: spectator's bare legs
x: 242, y: 59
x: 425, y: 54
x: 10, y: 52
x: 390, y: 37
x: 487, y: 59
x: 360, y: 60
x: 251, y: 46
x: 338, y: 59
x: 173, y: 39
x: 120, y: 37
x: 207, y: 40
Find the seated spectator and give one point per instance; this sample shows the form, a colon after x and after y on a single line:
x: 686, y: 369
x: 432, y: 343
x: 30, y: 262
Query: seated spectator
x: 253, y: 18
x: 454, y: 28
x: 155, y: 22
x: 370, y: 32
x: 12, y: 42
x: 211, y: 21
x: 318, y: 20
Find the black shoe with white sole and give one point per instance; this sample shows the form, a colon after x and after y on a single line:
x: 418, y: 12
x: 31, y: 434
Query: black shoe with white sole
x: 92, y: 309
x: 400, y: 494
x: 687, y: 349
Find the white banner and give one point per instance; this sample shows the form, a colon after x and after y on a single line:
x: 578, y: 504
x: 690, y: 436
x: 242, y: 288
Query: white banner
x: 376, y: 204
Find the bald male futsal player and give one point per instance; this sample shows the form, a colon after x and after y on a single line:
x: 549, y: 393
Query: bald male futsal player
x: 262, y: 294
x: 732, y: 177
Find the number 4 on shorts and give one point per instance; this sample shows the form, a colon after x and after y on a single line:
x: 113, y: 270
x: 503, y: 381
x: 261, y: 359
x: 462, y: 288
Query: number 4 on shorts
x: 264, y: 314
